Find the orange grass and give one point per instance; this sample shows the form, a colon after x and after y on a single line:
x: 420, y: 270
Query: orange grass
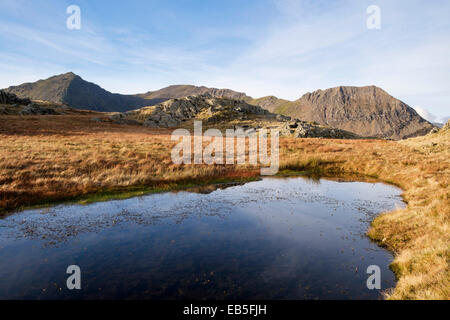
x: 45, y: 159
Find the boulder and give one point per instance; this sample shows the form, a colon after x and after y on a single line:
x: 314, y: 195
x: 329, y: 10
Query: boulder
x: 121, y: 118
x: 34, y: 109
x: 302, y: 129
x: 11, y: 98
x: 446, y: 126
x: 434, y: 130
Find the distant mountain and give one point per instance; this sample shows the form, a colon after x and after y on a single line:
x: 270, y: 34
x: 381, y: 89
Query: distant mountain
x: 271, y: 103
x: 367, y: 111
x: 183, y: 91
x: 73, y: 91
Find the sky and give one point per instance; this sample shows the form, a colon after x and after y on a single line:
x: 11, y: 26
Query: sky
x: 284, y: 48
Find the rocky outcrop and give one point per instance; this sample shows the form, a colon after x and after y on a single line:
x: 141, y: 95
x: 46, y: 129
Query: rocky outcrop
x: 225, y: 112
x: 446, y: 126
x: 302, y: 129
x: 210, y: 109
x: 34, y: 109
x: 10, y: 104
x: 183, y: 91
x: 11, y: 98
x: 445, y: 129
x: 122, y: 118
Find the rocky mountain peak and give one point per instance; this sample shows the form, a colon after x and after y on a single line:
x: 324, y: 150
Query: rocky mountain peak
x: 368, y: 111
x: 72, y: 90
x: 182, y: 91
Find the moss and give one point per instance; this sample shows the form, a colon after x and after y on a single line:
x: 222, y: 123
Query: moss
x: 397, y: 269
x: 133, y: 191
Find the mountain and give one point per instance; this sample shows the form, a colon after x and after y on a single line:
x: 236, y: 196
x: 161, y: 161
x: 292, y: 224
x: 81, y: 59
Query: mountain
x: 367, y: 111
x: 75, y: 92
x: 221, y: 112
x: 271, y: 103
x: 183, y: 91
x: 72, y: 90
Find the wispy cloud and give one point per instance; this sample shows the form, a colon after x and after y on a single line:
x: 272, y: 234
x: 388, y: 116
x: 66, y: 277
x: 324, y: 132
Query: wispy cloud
x: 431, y: 117
x: 280, y: 47
x: 425, y: 114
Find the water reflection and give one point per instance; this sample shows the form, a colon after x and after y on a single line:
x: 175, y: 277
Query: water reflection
x: 271, y: 239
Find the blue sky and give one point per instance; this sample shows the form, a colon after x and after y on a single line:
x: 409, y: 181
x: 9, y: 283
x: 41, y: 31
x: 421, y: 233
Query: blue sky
x: 262, y: 47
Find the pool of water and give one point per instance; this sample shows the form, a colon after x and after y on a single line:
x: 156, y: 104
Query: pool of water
x: 290, y: 238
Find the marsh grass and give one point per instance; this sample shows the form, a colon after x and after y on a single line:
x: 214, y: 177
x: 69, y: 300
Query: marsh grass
x: 48, y: 159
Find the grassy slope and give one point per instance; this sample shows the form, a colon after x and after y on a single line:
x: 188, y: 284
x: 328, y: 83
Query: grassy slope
x: 56, y: 158
x: 271, y: 103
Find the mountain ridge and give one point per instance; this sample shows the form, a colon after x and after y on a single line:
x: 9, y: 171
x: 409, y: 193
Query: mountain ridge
x: 367, y: 111
x: 221, y: 112
x: 185, y: 90
x: 71, y: 89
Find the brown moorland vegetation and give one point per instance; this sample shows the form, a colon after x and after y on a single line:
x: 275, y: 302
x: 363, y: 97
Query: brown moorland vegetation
x: 45, y: 159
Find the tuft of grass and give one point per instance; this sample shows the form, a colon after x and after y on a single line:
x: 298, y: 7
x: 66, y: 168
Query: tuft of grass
x: 312, y: 165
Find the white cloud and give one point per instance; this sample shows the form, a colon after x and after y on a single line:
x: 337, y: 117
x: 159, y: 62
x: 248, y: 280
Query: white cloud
x: 431, y: 117
x: 304, y: 46
x: 425, y: 114
x: 444, y: 119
